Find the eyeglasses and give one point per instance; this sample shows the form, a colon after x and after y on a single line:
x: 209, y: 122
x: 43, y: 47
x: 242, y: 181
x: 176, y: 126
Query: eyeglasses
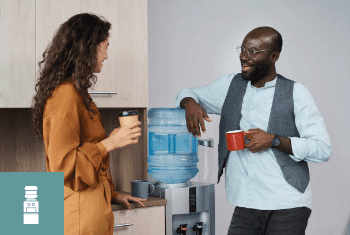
x: 251, y: 52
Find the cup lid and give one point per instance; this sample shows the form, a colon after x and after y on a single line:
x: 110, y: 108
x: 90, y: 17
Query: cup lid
x: 128, y: 113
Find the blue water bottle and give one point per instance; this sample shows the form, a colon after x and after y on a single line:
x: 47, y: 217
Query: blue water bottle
x: 172, y: 150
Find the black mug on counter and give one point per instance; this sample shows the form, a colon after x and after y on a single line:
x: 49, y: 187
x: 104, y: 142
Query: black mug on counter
x: 141, y: 188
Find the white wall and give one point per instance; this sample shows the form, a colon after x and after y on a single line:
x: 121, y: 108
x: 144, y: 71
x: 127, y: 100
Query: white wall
x: 192, y: 43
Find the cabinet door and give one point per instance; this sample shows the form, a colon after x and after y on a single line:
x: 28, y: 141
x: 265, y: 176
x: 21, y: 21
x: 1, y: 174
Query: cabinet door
x: 146, y: 221
x: 17, y: 53
x: 125, y: 71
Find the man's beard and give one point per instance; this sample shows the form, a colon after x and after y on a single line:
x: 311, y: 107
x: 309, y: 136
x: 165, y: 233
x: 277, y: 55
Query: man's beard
x: 258, y: 73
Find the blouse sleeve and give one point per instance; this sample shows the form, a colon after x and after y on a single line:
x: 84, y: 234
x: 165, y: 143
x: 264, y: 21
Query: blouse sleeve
x: 109, y: 178
x: 114, y: 192
x: 80, y: 162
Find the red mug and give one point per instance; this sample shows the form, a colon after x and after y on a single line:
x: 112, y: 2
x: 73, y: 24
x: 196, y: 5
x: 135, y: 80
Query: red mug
x: 235, y: 140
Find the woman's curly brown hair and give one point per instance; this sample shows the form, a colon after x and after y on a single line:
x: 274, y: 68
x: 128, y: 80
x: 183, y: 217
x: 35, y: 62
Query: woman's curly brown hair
x: 72, y: 56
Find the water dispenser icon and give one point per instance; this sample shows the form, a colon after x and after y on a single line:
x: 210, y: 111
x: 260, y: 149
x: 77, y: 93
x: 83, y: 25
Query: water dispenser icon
x: 31, y: 206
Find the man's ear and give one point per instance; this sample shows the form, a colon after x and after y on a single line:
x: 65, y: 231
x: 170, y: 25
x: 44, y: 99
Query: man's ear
x: 274, y: 56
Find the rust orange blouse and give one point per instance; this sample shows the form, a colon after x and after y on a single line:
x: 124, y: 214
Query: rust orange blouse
x: 72, y: 146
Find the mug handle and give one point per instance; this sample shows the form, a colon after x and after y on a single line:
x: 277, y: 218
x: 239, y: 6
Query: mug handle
x: 246, y: 133
x: 152, y: 189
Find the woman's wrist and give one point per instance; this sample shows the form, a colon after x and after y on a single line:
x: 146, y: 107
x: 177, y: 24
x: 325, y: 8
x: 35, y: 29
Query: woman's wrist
x: 106, y: 143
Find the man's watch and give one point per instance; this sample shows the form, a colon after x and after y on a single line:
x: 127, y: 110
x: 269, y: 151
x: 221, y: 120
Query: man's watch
x: 276, y: 141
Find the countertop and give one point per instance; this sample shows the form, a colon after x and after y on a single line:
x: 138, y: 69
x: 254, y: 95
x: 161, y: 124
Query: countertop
x: 151, y: 201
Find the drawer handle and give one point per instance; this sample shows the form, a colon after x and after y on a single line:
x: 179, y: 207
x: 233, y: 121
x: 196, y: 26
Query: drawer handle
x: 122, y: 225
x: 102, y: 93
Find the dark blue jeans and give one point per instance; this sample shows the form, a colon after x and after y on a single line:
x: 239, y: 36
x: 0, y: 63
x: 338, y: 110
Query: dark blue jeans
x: 269, y: 222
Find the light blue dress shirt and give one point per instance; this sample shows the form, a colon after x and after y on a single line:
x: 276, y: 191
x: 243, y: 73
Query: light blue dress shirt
x: 255, y: 180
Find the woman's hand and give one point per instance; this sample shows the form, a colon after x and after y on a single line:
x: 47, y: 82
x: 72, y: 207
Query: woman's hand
x: 125, y: 198
x: 114, y: 131
x: 123, y: 136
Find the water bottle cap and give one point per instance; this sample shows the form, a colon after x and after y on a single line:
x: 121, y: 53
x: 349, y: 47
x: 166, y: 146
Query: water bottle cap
x: 167, y: 117
x: 30, y: 188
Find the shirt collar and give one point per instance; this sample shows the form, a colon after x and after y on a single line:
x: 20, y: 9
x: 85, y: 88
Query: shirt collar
x: 267, y: 85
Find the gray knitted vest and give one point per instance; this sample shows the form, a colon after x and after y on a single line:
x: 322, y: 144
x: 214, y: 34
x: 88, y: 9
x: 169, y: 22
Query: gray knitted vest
x: 281, y: 122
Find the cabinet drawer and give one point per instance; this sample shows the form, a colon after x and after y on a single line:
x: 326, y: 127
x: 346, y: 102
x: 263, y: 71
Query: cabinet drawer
x: 146, y: 221
x: 126, y: 69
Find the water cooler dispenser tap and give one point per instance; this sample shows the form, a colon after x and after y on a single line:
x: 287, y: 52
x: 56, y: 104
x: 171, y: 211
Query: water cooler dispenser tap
x: 198, y: 228
x: 182, y: 229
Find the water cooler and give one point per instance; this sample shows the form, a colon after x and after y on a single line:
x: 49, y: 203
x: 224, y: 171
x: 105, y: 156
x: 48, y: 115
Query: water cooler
x: 172, y: 163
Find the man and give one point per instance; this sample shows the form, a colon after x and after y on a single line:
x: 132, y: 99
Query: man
x: 268, y: 181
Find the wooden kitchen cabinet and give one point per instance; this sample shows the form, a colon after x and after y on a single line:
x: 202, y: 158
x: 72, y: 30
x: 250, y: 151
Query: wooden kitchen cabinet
x: 27, y: 28
x: 125, y: 71
x: 146, y: 221
x: 17, y: 53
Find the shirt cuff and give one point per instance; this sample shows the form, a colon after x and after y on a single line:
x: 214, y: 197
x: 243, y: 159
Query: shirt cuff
x: 183, y: 94
x: 102, y: 149
x: 300, y: 148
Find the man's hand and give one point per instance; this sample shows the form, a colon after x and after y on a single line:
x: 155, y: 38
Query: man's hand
x: 125, y: 198
x: 195, y: 116
x: 259, y: 140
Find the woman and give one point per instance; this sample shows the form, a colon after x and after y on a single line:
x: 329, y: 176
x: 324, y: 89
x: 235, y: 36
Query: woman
x: 68, y: 121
